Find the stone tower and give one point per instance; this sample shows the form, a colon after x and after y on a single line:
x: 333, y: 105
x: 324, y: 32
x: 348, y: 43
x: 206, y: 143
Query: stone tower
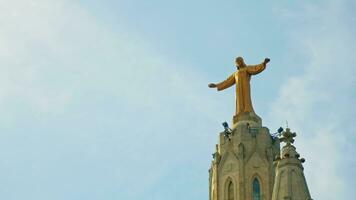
x: 248, y: 164
x: 242, y: 166
x: 290, y: 183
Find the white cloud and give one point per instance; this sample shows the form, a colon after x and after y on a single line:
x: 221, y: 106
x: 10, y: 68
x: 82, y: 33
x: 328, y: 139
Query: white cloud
x: 52, y: 49
x: 60, y: 65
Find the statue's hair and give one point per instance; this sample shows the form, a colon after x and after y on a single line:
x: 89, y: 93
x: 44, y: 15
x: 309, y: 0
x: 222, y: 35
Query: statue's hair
x: 241, y: 61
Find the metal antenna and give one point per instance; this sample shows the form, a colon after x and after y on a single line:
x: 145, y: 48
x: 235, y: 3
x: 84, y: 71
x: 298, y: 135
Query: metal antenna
x: 287, y: 123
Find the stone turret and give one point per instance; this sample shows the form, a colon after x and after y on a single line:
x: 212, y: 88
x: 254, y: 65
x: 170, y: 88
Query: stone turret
x: 242, y: 166
x: 290, y: 183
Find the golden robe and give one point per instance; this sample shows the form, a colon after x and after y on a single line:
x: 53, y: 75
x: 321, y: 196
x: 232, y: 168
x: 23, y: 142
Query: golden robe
x: 242, y: 79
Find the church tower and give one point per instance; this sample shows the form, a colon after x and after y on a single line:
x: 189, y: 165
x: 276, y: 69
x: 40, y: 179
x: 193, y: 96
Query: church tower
x: 243, y: 165
x: 248, y: 164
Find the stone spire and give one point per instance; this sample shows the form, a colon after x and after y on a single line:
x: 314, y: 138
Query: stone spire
x: 290, y: 183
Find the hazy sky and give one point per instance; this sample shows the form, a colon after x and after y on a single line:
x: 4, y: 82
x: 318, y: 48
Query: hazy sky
x: 108, y: 100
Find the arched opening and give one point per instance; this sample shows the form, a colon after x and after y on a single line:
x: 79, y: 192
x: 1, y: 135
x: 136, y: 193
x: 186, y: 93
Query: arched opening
x: 230, y: 191
x: 256, y: 189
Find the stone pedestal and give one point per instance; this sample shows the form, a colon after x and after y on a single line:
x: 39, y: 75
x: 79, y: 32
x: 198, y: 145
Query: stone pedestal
x: 247, y: 117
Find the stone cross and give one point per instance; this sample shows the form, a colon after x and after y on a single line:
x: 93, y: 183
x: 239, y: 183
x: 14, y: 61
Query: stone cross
x: 288, y: 136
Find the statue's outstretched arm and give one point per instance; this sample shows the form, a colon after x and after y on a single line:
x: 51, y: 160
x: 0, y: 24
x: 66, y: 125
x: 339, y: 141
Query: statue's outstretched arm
x: 226, y: 83
x: 255, y: 69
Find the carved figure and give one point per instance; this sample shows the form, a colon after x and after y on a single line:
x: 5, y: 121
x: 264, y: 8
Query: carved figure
x: 241, y: 78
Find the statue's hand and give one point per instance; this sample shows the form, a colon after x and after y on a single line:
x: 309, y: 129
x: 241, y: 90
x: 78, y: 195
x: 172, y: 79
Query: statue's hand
x: 212, y: 85
x: 266, y: 60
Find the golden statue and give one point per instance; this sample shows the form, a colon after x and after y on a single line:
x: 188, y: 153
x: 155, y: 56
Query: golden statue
x: 242, y: 80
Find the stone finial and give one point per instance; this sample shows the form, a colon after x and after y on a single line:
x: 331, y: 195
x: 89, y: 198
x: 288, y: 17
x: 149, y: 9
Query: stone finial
x: 216, y: 155
x: 288, y: 151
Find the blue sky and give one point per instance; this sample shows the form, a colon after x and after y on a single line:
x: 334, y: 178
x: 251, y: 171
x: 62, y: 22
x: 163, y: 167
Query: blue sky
x: 109, y: 99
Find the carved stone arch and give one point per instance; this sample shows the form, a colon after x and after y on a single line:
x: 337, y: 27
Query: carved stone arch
x: 256, y: 177
x: 256, y: 153
x: 230, y: 189
x: 225, y: 157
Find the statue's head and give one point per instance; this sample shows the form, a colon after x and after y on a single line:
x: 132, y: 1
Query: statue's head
x: 239, y: 61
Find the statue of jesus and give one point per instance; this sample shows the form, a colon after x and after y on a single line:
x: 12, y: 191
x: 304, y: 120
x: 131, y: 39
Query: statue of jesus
x: 242, y: 80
